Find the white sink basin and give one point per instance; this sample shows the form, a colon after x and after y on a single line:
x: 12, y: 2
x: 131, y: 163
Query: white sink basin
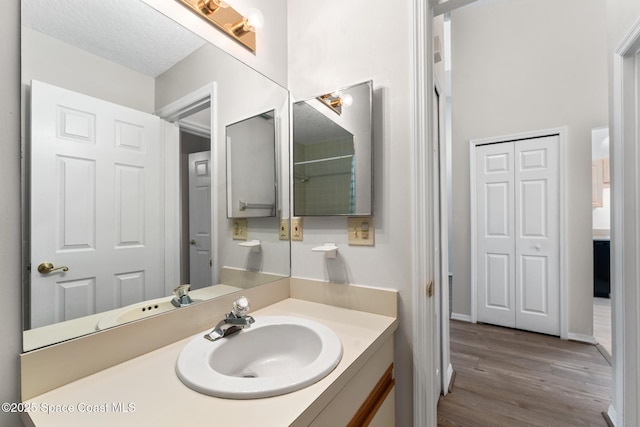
x: 137, y: 311
x: 276, y: 355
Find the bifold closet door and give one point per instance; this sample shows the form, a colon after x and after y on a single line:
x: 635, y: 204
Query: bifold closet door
x: 537, y: 242
x: 495, y: 234
x: 517, y: 236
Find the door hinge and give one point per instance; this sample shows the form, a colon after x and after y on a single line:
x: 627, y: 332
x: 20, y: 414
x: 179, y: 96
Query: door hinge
x: 430, y: 289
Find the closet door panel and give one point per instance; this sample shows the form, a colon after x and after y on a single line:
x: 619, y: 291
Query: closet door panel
x: 495, y: 234
x: 537, y: 285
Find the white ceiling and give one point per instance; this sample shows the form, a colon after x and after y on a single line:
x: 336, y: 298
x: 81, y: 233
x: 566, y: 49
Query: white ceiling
x: 127, y: 32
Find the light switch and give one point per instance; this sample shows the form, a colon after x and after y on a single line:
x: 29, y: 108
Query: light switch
x: 239, y: 228
x: 361, y: 231
x: 296, y: 229
x: 284, y: 229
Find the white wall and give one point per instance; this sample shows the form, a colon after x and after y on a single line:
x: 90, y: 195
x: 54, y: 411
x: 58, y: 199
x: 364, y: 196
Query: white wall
x: 334, y: 44
x: 270, y: 57
x: 10, y: 305
x: 523, y: 66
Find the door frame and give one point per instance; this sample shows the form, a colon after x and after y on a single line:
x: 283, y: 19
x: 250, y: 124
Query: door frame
x: 440, y: 210
x: 189, y: 104
x: 423, y: 306
x: 625, y: 233
x: 562, y: 139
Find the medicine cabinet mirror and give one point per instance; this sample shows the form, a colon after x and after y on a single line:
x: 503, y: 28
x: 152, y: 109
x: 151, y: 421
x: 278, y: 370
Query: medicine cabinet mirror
x: 333, y: 153
x: 251, y: 167
x: 124, y: 118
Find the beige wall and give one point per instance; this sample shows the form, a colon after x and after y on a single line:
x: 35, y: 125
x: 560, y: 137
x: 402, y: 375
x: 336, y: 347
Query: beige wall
x: 333, y: 44
x: 61, y: 64
x: 523, y: 66
x: 621, y: 15
x: 10, y: 307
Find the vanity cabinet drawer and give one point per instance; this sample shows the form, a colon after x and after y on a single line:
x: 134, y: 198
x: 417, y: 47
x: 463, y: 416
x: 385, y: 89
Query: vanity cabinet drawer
x: 368, y: 399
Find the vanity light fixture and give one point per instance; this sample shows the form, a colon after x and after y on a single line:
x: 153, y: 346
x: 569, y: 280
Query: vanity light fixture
x: 227, y: 19
x: 336, y: 101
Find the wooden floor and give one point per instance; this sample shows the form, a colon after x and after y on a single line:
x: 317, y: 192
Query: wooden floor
x: 602, y: 323
x: 506, y: 377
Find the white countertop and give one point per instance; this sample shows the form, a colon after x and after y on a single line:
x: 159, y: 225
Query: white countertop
x: 145, y: 391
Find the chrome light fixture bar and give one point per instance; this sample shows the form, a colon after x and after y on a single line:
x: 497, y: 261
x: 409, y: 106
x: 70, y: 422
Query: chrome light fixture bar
x: 226, y: 19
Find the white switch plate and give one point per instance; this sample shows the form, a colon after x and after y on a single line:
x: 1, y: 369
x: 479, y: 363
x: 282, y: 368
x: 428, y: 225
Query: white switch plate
x: 296, y: 229
x: 361, y: 231
x: 239, y: 228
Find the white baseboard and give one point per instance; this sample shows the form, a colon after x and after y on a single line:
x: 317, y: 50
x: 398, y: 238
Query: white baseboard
x: 461, y: 317
x: 612, y: 414
x: 448, y: 381
x: 589, y: 339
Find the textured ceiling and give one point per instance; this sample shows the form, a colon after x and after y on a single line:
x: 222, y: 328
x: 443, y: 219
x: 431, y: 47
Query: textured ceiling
x: 311, y: 126
x: 127, y: 32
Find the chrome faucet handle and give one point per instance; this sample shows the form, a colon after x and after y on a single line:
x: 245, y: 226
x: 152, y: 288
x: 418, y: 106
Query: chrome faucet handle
x: 182, y: 290
x: 241, y: 307
x: 182, y: 297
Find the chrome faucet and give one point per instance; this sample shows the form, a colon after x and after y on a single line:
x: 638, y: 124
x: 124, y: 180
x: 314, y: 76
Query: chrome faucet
x: 182, y: 297
x: 233, y: 322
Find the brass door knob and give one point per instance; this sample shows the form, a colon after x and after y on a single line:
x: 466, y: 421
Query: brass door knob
x: 47, y: 267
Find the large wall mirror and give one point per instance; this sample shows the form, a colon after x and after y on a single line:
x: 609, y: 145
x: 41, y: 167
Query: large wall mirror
x: 333, y: 153
x: 124, y: 118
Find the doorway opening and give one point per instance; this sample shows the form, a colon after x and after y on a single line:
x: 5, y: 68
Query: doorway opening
x: 195, y: 190
x: 601, y: 203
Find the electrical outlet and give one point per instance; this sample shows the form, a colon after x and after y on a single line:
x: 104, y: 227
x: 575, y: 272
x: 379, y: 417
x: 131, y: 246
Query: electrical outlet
x: 296, y: 229
x: 284, y: 229
x: 239, y: 228
x: 361, y: 231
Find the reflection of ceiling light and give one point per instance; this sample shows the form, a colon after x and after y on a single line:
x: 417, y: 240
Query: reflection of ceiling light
x: 336, y: 101
x: 211, y: 6
x: 224, y: 17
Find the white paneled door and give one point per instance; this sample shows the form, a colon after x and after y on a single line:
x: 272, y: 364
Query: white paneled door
x: 200, y: 270
x: 95, y: 205
x: 517, y: 207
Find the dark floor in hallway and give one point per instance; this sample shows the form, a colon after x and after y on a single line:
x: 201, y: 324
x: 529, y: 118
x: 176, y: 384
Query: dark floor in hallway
x: 506, y: 377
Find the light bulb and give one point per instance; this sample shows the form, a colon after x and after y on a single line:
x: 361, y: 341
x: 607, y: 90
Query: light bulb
x: 255, y: 19
x: 347, y: 100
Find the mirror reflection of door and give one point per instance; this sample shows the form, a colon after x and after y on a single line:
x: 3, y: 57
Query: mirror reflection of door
x: 200, y: 219
x: 95, y: 187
